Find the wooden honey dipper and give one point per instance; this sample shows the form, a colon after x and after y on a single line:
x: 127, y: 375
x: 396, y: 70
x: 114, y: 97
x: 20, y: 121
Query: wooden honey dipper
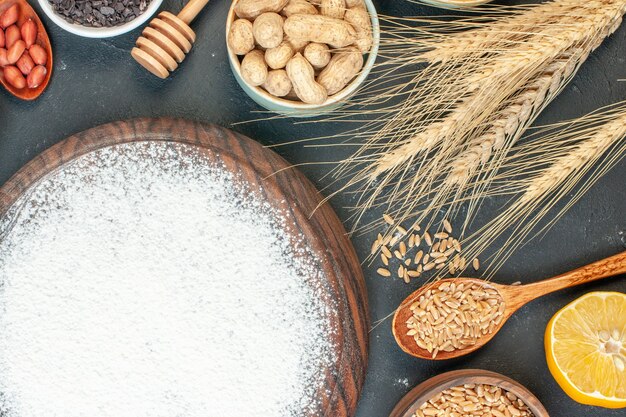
x: 166, y: 40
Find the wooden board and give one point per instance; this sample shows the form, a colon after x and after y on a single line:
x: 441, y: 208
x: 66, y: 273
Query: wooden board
x: 285, y: 188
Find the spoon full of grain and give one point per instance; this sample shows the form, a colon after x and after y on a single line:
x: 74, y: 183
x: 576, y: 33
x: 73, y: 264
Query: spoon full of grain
x: 453, y: 317
x: 167, y: 39
x: 20, y: 25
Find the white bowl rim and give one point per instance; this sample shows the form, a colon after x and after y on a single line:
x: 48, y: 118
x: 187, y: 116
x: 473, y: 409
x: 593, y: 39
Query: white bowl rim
x: 456, y: 4
x: 334, y: 99
x: 103, y: 32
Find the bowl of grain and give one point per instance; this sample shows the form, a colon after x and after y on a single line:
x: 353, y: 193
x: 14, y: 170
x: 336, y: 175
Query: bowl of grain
x: 470, y: 392
x: 290, y: 104
x: 99, y: 18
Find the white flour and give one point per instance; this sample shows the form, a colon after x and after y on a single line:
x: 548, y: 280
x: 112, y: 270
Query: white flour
x: 142, y: 281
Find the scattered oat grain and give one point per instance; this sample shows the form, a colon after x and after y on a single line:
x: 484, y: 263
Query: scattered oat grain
x: 418, y: 256
x: 401, y: 270
x: 383, y: 272
x: 428, y: 239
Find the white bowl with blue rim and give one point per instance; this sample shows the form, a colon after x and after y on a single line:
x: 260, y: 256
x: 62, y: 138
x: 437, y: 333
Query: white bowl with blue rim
x: 297, y: 108
x: 99, y: 32
x: 456, y: 4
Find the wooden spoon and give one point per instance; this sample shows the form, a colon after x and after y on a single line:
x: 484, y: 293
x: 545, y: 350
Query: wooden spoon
x: 167, y: 39
x: 514, y: 297
x: 26, y: 12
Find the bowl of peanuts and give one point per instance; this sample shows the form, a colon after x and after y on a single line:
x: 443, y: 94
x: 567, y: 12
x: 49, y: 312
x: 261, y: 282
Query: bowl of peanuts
x: 302, y: 58
x: 469, y: 392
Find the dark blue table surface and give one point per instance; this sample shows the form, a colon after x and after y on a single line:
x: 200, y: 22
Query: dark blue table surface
x: 95, y: 81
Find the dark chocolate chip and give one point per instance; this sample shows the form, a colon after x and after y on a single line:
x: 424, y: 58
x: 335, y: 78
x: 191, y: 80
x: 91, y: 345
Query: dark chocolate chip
x: 99, y: 13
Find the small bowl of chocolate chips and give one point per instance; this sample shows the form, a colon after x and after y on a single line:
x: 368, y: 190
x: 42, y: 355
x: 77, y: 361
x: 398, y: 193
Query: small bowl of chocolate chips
x: 99, y: 18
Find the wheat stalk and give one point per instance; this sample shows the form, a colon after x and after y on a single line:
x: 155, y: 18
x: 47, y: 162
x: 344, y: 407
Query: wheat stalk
x: 516, y: 114
x: 454, y: 105
x: 512, y: 65
x: 577, y: 148
x: 520, y: 24
x: 486, y: 151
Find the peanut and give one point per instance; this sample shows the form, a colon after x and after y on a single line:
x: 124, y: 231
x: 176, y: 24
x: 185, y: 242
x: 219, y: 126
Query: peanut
x: 299, y: 7
x: 29, y: 32
x: 317, y: 54
x: 3, y: 58
x: 360, y: 19
x: 38, y: 54
x: 278, y: 83
x: 268, y: 30
x: 12, y: 34
x: 333, y: 8
x: 15, y: 52
x: 291, y: 95
x: 278, y: 57
x: 355, y: 3
x: 36, y: 76
x: 2, y: 39
x: 253, y: 68
x: 240, y: 37
x: 341, y: 69
x: 25, y: 63
x: 250, y: 9
x: 298, y: 45
x: 302, y: 76
x: 321, y: 29
x: 9, y: 17
x: 14, y: 77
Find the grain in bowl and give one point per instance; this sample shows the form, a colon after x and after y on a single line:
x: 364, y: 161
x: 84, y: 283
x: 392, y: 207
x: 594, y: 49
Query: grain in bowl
x: 471, y: 400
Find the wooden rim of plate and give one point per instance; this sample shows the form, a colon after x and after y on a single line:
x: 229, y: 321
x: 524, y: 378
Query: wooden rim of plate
x: 412, y: 401
x: 284, y: 187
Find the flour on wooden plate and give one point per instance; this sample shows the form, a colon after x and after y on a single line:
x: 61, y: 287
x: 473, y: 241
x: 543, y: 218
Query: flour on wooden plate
x: 143, y: 280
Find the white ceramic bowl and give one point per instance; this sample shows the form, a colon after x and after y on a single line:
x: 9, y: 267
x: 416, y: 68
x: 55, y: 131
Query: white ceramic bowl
x: 104, y: 32
x: 298, y: 108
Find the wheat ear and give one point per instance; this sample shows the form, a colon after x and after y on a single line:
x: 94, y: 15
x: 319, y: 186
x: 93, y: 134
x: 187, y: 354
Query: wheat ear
x: 513, y: 64
x: 462, y: 127
x: 497, y: 35
x: 486, y: 152
x: 423, y: 137
x: 580, y: 145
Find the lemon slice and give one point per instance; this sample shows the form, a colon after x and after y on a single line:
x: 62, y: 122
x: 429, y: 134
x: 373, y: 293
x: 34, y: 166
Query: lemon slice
x: 586, y: 349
